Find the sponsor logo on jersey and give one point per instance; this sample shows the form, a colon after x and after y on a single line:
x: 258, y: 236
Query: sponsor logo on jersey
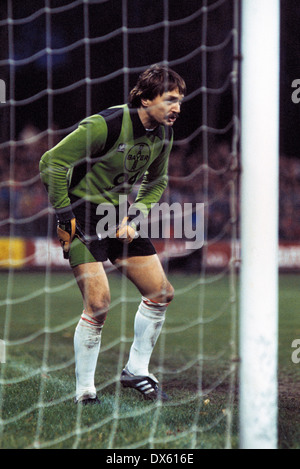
x: 137, y: 157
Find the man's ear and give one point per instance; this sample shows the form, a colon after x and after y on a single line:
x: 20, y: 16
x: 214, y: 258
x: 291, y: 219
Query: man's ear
x: 145, y: 102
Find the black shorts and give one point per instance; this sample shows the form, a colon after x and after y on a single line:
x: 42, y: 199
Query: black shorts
x: 89, y: 248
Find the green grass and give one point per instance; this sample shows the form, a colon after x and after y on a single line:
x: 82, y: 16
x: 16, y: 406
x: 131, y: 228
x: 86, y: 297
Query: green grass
x: 194, y: 352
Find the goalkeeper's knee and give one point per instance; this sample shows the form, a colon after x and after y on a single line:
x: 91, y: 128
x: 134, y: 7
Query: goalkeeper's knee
x: 165, y: 296
x: 153, y: 309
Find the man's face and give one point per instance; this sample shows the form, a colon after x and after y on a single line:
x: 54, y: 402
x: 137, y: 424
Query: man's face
x: 164, y: 109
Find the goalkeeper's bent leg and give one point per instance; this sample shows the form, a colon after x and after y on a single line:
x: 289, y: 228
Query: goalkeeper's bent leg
x: 148, y: 324
x: 93, y: 284
x: 87, y: 342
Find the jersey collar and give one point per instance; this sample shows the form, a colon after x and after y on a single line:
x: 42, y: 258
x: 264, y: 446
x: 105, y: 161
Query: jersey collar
x: 138, y: 128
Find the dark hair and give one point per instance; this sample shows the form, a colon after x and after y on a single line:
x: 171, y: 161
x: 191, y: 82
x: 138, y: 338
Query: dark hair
x: 155, y: 81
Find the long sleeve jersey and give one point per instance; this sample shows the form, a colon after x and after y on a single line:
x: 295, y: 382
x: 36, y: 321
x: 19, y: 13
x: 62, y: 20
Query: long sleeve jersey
x: 104, y: 157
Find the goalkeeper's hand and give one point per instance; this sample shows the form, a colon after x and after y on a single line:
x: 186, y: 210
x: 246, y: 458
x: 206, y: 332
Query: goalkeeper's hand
x: 66, y: 231
x: 126, y: 231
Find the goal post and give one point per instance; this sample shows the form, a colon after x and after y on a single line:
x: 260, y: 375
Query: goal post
x: 259, y: 223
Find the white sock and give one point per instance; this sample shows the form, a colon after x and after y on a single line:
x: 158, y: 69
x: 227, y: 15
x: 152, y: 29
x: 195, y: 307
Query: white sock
x: 148, y: 323
x: 87, y: 341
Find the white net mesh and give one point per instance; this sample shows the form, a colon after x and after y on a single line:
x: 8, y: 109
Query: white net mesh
x: 62, y: 61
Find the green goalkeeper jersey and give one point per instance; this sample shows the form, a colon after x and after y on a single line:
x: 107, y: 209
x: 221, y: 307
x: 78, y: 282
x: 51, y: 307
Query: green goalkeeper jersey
x: 105, y: 157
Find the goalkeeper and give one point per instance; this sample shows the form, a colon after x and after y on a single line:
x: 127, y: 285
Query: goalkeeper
x: 101, y: 160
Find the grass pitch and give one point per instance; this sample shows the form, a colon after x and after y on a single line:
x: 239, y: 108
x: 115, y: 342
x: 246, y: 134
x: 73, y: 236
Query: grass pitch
x: 196, y: 351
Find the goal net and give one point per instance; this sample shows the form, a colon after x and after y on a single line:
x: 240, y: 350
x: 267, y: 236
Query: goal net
x: 61, y: 61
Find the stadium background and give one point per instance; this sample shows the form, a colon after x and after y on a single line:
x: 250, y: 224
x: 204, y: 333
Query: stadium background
x: 24, y: 229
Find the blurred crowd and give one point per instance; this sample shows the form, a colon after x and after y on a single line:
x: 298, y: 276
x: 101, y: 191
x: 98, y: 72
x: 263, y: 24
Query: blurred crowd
x: 212, y: 179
